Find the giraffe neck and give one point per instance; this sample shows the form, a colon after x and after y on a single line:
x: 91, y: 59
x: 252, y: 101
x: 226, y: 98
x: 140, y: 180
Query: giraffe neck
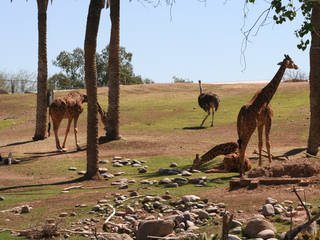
x: 221, y: 149
x: 200, y: 87
x: 266, y: 94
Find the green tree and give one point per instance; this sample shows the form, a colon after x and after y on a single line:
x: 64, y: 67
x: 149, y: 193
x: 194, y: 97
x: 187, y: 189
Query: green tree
x: 72, y: 65
x: 60, y: 81
x: 287, y: 10
x: 90, y: 46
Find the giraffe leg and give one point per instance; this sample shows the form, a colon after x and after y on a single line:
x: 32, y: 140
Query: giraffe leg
x: 76, y: 132
x: 268, y: 145
x: 66, y: 135
x: 56, y: 123
x: 212, y: 117
x: 205, y: 118
x: 244, y: 138
x: 260, y: 131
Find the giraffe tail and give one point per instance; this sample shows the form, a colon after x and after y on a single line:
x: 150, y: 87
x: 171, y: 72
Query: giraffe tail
x: 49, y: 124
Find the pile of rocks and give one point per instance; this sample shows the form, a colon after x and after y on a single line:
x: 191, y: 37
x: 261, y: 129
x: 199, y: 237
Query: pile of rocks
x: 154, y: 215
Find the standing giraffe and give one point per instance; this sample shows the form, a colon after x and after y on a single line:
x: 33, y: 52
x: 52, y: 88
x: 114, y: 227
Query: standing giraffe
x: 248, y: 116
x: 103, y: 116
x: 70, y: 107
x: 208, y: 101
x: 231, y: 161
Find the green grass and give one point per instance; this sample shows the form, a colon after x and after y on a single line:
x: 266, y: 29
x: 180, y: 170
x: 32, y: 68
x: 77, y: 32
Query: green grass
x: 8, y: 123
x: 7, y: 236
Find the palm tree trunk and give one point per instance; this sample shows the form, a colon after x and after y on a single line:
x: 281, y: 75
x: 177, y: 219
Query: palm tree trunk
x: 42, y: 86
x: 114, y: 72
x: 90, y: 45
x: 314, y: 131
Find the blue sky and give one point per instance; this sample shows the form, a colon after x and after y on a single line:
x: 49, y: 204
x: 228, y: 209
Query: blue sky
x: 196, y: 40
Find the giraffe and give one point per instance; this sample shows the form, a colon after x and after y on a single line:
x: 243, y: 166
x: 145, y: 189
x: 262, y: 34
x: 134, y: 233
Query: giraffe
x: 230, y: 162
x: 103, y: 116
x: 248, y: 116
x: 208, y: 101
x: 70, y: 107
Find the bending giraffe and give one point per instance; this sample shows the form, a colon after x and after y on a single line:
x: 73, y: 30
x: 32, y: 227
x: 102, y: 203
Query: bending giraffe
x: 231, y: 161
x: 208, y: 101
x: 248, y: 116
x: 70, y: 107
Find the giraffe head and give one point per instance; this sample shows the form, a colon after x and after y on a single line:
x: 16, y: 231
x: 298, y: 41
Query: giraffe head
x: 287, y: 61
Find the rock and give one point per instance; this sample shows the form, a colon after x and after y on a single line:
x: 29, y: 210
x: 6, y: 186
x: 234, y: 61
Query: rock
x: 221, y: 205
x: 159, y: 228
x: 25, y: 209
x: 172, y: 185
x: 256, y: 225
x: 270, y: 200
x: 72, y: 168
x: 103, y: 170
x: 288, y: 202
x: 172, y: 165
x: 145, y: 181
x: 180, y: 180
x: 136, y: 165
x: 117, y: 164
x: 235, y: 223
x: 186, y: 173
x: 123, y: 186
x: 134, y: 194
x: 193, y: 228
x: 107, y: 175
x: 233, y: 237
x: 268, y: 210
x: 165, y: 181
x: 81, y: 172
x: 190, y: 198
x: 131, y: 181
x: 212, y: 209
x: 2, y: 198
x: 103, y: 161
x: 96, y: 208
x: 236, y: 230
x: 278, y: 210
x: 118, y: 173
x: 265, y: 234
x: 117, y: 158
x: 168, y: 171
x: 130, y: 210
x: 116, y: 236
x: 189, y: 224
x: 63, y: 214
x: 202, y: 214
x: 142, y: 170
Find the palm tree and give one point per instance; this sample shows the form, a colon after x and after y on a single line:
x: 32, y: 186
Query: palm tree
x: 114, y: 72
x: 42, y: 86
x: 90, y: 45
x: 314, y: 131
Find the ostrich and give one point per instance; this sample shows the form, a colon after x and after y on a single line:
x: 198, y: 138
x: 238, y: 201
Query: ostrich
x: 208, y: 101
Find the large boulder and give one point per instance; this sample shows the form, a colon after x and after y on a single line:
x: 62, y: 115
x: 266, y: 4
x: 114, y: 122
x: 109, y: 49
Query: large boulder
x: 256, y: 225
x: 159, y: 228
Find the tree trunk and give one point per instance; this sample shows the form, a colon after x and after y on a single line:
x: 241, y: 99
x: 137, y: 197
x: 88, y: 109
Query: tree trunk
x: 114, y: 72
x: 314, y: 131
x: 42, y: 86
x: 90, y: 45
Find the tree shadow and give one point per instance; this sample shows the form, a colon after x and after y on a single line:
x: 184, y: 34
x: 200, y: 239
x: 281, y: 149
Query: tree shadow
x: 38, y: 155
x: 194, y: 128
x: 294, y: 151
x: 77, y: 180
x: 17, y: 143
